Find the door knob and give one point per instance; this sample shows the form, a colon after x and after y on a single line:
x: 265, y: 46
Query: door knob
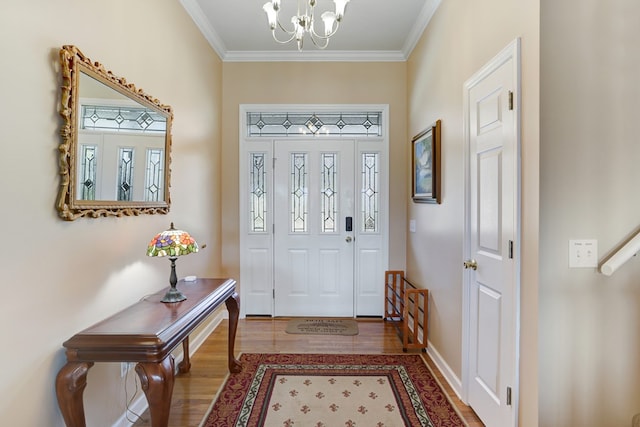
x: 471, y: 263
x: 348, y: 239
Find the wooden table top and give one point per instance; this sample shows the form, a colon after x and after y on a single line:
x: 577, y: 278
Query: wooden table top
x: 149, y: 330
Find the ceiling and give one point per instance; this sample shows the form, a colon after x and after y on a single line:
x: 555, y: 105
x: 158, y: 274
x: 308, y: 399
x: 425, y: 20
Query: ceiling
x: 371, y: 30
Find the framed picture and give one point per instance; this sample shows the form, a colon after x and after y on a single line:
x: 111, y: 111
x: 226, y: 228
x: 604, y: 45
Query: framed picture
x: 425, y: 162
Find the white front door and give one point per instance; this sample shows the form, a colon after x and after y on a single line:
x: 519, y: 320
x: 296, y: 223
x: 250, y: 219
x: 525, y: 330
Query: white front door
x: 297, y: 191
x: 492, y: 232
x: 314, y: 219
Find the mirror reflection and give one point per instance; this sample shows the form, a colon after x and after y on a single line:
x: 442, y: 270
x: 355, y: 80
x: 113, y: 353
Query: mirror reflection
x: 120, y: 146
x: 116, y: 141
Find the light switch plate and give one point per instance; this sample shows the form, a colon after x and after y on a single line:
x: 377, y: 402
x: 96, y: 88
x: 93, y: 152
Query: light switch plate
x: 412, y: 226
x: 583, y: 253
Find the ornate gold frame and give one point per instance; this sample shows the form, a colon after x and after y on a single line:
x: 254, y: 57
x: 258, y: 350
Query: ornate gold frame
x: 73, y: 61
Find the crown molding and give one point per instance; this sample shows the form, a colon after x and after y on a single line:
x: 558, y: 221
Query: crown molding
x: 199, y: 18
x: 314, y: 56
x: 427, y: 12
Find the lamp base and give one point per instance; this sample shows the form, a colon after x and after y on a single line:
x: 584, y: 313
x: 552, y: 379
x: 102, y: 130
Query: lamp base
x: 173, y: 295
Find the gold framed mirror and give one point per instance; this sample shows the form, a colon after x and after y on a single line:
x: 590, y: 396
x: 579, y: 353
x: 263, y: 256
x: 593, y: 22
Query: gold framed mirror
x: 115, y: 153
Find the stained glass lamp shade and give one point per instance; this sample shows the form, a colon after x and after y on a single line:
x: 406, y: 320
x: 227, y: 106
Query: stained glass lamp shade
x: 172, y: 243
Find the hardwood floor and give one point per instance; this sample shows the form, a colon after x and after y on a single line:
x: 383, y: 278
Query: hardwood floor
x: 193, y: 392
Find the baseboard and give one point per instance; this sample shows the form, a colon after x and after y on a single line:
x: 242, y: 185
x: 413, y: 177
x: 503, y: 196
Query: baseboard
x: 140, y: 404
x: 445, y: 370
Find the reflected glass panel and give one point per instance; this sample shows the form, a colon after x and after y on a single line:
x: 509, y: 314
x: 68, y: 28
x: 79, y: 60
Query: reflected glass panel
x: 122, y: 118
x: 88, y: 172
x: 125, y: 174
x: 154, y: 175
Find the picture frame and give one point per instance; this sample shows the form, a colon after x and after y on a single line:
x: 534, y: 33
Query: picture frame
x: 425, y: 165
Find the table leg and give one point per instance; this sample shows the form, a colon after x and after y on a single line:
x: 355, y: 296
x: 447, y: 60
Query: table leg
x: 185, y: 365
x: 70, y: 384
x: 157, y: 383
x: 233, y: 306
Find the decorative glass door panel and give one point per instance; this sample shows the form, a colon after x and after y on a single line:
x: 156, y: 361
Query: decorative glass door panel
x: 329, y: 193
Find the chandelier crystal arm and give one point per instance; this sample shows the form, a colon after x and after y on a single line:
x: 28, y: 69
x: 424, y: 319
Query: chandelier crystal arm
x: 293, y: 36
x: 340, y: 7
x: 331, y: 25
x: 303, y: 22
x: 271, y: 8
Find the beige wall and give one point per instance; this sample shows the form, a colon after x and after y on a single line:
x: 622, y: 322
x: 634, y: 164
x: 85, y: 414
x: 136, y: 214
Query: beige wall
x: 59, y: 277
x: 462, y: 36
x: 589, y: 340
x: 588, y: 365
x: 314, y: 83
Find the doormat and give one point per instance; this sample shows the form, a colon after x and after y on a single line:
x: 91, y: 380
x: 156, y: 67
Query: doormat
x: 322, y: 326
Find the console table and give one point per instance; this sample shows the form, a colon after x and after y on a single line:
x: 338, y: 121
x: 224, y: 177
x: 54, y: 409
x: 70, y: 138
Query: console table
x: 146, y: 333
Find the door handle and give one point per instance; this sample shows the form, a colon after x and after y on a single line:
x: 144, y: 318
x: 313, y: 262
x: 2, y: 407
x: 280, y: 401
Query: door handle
x: 348, y: 239
x: 471, y: 263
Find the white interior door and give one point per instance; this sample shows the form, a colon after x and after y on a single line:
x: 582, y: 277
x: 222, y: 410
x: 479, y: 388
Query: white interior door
x: 314, y: 219
x: 492, y: 235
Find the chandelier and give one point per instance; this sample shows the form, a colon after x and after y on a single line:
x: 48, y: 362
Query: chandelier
x: 303, y: 22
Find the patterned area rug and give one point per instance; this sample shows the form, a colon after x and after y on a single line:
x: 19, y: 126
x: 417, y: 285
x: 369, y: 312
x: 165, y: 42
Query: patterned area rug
x: 332, y: 390
x: 322, y: 326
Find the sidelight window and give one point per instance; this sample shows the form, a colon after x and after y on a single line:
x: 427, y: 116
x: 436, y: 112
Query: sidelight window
x: 257, y: 193
x: 370, y: 193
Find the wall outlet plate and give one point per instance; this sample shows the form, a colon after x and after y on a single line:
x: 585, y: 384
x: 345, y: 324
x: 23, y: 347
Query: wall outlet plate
x: 583, y: 253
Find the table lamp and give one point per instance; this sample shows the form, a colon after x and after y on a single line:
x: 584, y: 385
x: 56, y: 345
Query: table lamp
x: 172, y: 243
